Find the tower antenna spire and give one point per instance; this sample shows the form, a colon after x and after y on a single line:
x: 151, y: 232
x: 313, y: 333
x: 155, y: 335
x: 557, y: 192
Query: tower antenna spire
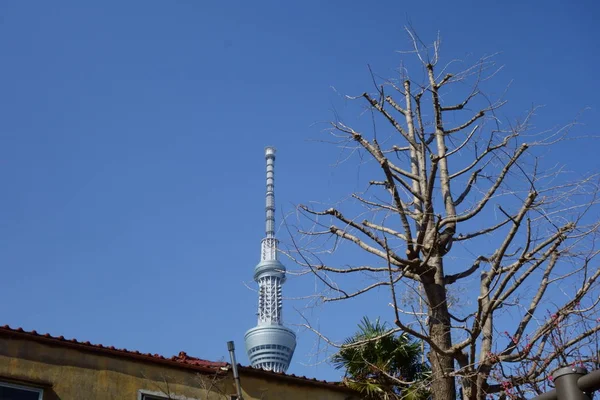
x: 269, y: 243
x: 270, y: 345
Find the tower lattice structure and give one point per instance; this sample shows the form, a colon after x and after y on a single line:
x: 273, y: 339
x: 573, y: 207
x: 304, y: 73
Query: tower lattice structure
x: 270, y: 345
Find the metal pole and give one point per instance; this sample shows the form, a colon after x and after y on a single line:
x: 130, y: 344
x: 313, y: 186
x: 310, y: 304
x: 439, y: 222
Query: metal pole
x: 236, y: 376
x: 590, y: 382
x: 587, y: 383
x: 565, y: 380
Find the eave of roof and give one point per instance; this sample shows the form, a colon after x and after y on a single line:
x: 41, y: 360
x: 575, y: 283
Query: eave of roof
x: 180, y: 361
x: 291, y: 378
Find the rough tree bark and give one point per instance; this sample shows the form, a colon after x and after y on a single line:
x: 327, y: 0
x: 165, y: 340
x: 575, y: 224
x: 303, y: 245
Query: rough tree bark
x: 467, y: 183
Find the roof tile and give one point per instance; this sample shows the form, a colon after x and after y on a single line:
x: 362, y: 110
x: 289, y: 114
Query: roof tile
x: 186, y: 360
x: 181, y: 359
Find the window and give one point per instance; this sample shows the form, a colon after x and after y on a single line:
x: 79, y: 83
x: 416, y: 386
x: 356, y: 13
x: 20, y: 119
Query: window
x: 9, y: 391
x: 153, y: 395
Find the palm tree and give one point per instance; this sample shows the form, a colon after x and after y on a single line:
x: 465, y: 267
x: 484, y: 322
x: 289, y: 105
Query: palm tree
x: 383, y: 365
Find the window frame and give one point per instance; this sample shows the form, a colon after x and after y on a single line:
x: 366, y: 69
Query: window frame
x: 24, y: 388
x: 150, y: 395
x: 146, y: 396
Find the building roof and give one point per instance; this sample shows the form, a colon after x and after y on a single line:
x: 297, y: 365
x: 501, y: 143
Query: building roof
x: 292, y: 378
x: 182, y: 360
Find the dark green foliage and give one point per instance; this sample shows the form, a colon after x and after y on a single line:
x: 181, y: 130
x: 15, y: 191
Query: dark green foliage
x: 382, y: 364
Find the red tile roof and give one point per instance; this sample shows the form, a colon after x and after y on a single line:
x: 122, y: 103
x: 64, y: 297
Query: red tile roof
x: 181, y: 360
x: 293, y: 378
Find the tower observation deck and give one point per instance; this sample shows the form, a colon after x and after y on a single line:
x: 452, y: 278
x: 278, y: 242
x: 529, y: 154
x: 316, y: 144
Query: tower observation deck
x: 270, y: 345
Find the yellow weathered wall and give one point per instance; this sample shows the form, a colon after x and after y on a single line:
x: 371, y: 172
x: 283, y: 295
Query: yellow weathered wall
x: 254, y: 388
x: 80, y: 375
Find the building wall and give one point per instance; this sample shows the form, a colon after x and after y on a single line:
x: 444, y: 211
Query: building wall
x: 255, y: 388
x: 72, y: 374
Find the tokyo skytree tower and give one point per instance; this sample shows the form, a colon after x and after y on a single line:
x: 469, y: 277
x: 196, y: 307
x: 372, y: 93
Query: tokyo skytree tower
x: 270, y: 345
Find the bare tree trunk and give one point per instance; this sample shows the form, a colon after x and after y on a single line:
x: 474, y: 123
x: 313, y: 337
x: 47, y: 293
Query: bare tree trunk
x: 443, y: 386
x: 483, y: 372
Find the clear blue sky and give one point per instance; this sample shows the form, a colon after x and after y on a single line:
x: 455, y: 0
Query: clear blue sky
x: 132, y: 137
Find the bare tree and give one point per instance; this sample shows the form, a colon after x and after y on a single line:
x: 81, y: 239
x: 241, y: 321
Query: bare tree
x: 453, y: 187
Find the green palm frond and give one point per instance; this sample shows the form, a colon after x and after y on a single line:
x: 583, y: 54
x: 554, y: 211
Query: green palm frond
x: 374, y: 356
